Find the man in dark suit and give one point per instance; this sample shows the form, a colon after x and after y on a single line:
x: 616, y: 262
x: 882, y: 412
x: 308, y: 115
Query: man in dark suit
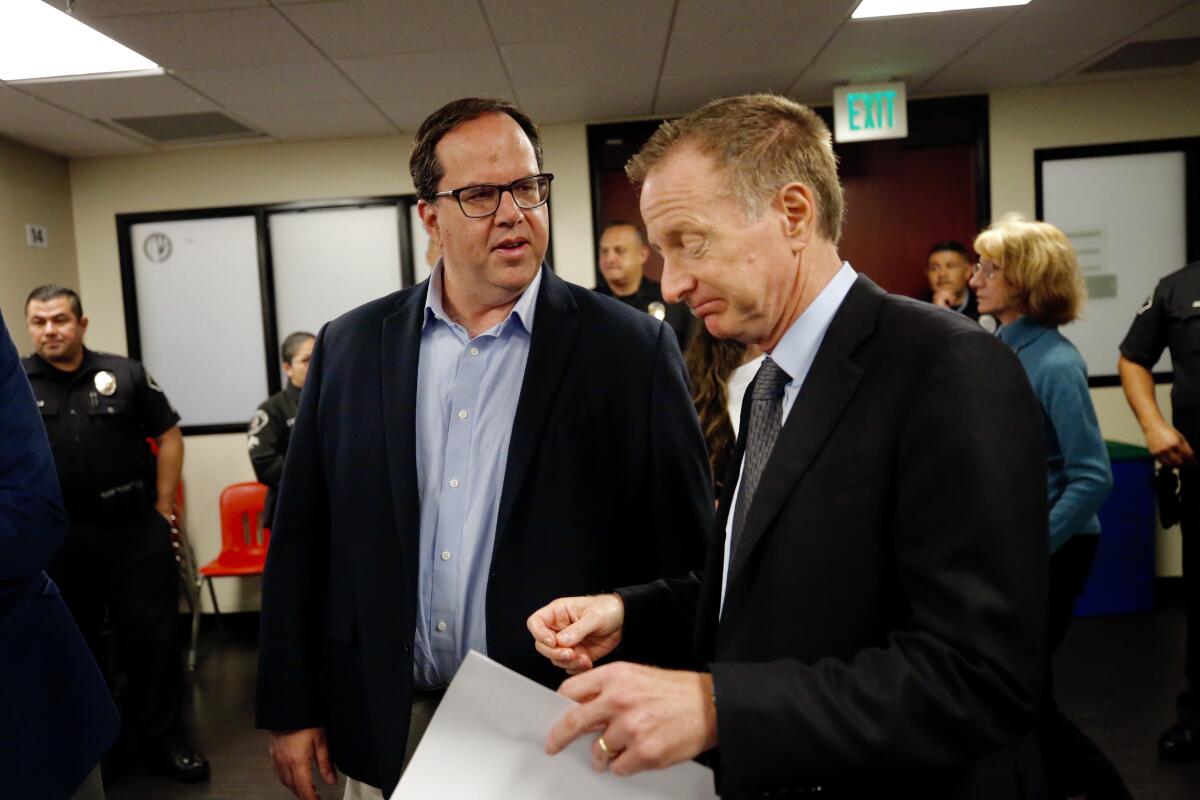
x: 466, y: 450
x: 56, y: 716
x: 860, y: 631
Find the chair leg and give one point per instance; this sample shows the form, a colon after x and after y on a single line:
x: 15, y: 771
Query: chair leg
x: 212, y: 593
x: 191, y: 659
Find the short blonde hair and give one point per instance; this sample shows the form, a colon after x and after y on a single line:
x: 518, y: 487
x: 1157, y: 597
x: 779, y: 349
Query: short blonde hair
x: 762, y: 142
x: 1039, y: 262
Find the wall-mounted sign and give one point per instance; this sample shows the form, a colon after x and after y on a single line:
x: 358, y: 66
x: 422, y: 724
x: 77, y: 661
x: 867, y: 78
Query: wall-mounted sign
x: 35, y: 236
x: 870, y: 111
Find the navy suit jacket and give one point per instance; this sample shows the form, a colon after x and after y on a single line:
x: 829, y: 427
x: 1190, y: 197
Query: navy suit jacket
x: 56, y: 715
x: 606, y: 479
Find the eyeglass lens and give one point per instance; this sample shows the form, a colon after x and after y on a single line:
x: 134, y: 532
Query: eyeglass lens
x: 480, y: 201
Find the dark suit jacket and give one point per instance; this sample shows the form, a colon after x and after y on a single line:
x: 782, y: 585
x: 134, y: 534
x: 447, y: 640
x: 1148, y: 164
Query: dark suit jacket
x: 883, y: 627
x: 606, y: 480
x: 56, y: 716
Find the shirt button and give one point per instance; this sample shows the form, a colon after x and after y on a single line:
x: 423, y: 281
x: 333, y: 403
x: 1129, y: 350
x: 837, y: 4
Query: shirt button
x: 462, y: 414
x: 454, y: 483
x: 445, y: 555
x: 474, y: 351
x: 441, y: 626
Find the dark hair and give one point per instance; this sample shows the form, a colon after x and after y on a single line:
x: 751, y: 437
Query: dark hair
x: 620, y: 223
x: 292, y: 343
x: 52, y: 291
x: 951, y: 246
x: 423, y: 162
x: 710, y: 361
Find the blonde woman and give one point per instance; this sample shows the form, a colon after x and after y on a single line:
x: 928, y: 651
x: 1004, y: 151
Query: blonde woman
x: 1028, y: 279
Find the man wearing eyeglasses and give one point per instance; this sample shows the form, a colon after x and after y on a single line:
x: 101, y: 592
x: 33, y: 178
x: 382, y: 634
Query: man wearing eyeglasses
x: 466, y: 450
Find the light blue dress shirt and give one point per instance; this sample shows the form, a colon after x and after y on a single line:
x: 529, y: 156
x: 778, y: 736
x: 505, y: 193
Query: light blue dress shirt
x: 467, y: 392
x: 795, y: 354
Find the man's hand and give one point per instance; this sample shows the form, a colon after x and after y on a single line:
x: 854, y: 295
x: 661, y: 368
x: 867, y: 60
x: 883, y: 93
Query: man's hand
x: 648, y: 718
x: 1169, y: 446
x: 292, y: 754
x: 166, y: 509
x: 574, y: 632
x: 945, y: 298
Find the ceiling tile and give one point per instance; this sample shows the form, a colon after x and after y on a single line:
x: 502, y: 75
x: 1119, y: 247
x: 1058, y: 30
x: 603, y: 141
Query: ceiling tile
x: 211, y: 38
x: 680, y: 94
x: 580, y: 103
x: 463, y: 73
x: 319, y: 120
x: 105, y: 98
x: 273, y: 84
x: 353, y: 28
x: 743, y: 51
x: 628, y: 63
x: 1184, y: 22
x: 720, y: 15
x: 515, y: 22
x: 1024, y: 66
x: 90, y: 9
x: 1071, y: 21
x: 409, y: 111
x: 45, y: 127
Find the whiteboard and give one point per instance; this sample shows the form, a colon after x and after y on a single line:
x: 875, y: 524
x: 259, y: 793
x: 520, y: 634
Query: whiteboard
x: 1126, y: 216
x: 200, y: 315
x: 327, y: 261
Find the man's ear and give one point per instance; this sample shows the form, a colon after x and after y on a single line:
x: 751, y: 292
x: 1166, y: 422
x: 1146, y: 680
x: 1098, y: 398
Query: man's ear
x: 794, y: 202
x: 429, y: 219
x: 83, y: 323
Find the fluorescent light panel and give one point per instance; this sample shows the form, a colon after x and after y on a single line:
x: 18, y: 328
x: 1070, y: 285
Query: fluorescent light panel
x: 896, y: 8
x: 38, y: 41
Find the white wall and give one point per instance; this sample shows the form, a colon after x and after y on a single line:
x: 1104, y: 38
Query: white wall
x: 1023, y: 120
x: 255, y: 174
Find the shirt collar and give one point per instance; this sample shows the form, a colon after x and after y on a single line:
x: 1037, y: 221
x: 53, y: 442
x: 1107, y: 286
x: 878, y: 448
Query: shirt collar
x: 798, y: 347
x: 522, y: 313
x: 1021, y: 332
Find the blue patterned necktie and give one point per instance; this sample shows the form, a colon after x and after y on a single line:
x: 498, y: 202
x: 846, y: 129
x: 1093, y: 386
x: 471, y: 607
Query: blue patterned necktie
x: 766, y: 415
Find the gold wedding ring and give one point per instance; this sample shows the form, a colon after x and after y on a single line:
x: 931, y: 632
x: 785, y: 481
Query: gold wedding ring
x: 604, y: 748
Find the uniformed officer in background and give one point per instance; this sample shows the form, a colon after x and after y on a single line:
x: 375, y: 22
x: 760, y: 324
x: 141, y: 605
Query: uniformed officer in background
x: 271, y: 427
x: 99, y: 411
x: 1170, y: 318
x: 623, y: 255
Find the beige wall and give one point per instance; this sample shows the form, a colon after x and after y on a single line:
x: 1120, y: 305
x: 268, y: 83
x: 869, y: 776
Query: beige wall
x: 105, y: 187
x: 35, y: 187
x: 1023, y: 120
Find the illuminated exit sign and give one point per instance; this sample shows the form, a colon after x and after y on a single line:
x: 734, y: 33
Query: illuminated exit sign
x: 870, y: 111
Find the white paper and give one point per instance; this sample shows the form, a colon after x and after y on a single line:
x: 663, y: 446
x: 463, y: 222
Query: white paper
x: 487, y: 740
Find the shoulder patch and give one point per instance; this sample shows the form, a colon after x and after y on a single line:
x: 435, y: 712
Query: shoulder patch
x: 1146, y: 305
x: 153, y: 384
x: 259, y: 422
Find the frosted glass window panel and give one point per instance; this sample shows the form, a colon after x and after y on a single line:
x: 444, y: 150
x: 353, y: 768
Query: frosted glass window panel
x: 425, y: 254
x: 1126, y: 216
x: 200, y: 315
x: 330, y: 260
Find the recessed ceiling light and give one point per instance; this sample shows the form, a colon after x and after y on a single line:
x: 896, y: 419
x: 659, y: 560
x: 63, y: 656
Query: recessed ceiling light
x: 896, y: 8
x: 38, y: 41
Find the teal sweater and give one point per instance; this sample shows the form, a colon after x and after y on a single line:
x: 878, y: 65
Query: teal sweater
x: 1078, y: 472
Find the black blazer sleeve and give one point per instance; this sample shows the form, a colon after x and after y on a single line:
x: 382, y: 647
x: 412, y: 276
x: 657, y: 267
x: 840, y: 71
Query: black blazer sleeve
x: 295, y: 582
x: 959, y: 676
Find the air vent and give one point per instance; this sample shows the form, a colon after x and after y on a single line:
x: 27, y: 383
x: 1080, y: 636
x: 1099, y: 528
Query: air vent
x: 207, y: 126
x: 1159, y: 54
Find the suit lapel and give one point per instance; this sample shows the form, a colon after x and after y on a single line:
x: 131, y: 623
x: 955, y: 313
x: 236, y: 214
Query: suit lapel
x: 400, y: 351
x: 827, y: 390
x: 554, y: 332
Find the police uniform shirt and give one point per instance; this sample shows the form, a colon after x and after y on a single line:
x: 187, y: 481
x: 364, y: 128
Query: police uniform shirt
x: 98, y: 418
x: 268, y: 437
x: 1170, y: 318
x: 644, y: 299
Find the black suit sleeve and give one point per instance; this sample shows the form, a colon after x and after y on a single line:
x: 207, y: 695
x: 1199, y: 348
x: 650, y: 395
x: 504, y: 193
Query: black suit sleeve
x: 296, y: 578
x: 960, y: 674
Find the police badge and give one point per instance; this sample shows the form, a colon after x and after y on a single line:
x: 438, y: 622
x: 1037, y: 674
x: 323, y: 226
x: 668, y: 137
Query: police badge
x: 105, y: 383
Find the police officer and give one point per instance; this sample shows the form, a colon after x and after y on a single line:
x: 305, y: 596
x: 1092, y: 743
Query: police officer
x: 623, y: 254
x: 271, y: 428
x: 1170, y: 318
x: 99, y: 411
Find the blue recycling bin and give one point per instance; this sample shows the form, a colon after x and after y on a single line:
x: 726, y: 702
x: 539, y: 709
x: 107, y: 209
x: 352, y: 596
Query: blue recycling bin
x: 1122, y: 579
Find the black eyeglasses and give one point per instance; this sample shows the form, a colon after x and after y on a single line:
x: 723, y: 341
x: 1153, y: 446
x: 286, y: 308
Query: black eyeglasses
x: 483, y: 199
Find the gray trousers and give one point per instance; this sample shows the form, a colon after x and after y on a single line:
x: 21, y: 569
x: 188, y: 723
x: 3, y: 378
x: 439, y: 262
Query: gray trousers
x: 423, y: 707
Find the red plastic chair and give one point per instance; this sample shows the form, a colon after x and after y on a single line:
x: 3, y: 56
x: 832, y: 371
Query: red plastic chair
x: 243, y: 546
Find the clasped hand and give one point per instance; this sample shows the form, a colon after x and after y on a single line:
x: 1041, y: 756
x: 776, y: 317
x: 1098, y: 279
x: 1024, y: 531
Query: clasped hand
x: 647, y: 718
